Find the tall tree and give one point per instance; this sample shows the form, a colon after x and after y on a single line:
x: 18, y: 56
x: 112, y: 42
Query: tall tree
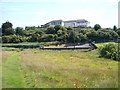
x: 114, y: 28
x: 57, y: 27
x: 7, y: 28
x: 19, y: 31
x: 50, y: 30
x: 118, y: 31
x: 97, y: 26
x: 9, y: 31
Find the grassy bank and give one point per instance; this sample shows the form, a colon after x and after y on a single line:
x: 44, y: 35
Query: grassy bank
x: 59, y: 69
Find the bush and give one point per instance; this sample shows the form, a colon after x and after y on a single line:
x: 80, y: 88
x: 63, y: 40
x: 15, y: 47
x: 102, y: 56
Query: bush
x: 13, y: 39
x: 109, y: 51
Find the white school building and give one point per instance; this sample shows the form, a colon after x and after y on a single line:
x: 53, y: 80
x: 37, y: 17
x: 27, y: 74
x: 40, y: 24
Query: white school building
x: 70, y: 23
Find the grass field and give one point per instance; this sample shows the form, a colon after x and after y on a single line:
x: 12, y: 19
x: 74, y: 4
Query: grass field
x: 35, y: 68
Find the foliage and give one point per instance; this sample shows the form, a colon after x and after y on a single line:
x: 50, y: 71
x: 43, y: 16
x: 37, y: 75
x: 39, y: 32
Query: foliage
x: 7, y: 28
x: 30, y: 27
x: 59, y: 33
x: 45, y: 25
x: 92, y: 35
x: 114, y: 28
x: 9, y: 31
x: 50, y: 30
x: 71, y: 36
x: 57, y: 27
x: 97, y: 26
x: 118, y: 31
x: 19, y: 31
x: 102, y: 35
x: 34, y: 37
x: 13, y: 39
x: 109, y: 51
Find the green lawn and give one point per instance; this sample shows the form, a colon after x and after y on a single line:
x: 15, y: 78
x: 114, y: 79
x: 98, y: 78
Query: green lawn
x: 58, y: 69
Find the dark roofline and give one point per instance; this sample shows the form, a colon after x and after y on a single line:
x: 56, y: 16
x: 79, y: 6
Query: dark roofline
x: 56, y: 21
x: 78, y: 20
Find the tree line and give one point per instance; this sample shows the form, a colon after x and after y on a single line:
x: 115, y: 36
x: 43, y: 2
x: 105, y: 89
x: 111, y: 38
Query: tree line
x: 58, y: 33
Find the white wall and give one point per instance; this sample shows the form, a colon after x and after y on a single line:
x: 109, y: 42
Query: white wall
x: 71, y: 24
x: 75, y: 24
x: 56, y: 23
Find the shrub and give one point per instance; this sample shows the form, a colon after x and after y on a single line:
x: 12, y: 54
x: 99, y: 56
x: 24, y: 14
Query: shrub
x: 13, y: 39
x: 109, y: 51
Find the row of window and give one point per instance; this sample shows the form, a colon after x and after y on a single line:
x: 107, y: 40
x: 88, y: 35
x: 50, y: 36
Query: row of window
x: 78, y: 23
x: 55, y: 23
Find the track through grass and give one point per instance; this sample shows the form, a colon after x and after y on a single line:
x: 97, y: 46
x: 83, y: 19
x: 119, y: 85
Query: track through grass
x: 12, y: 74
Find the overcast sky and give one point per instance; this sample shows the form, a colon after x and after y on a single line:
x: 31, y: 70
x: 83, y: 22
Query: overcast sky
x: 37, y: 12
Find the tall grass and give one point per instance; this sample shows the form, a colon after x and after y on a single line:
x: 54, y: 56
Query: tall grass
x: 59, y: 69
x: 71, y: 69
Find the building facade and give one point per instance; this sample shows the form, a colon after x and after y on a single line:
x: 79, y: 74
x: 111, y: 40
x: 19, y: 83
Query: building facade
x: 76, y: 23
x: 56, y: 22
x: 70, y: 23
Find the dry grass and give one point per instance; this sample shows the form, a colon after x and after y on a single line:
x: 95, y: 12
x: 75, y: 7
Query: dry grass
x: 58, y: 69
x: 71, y: 69
x: 5, y: 55
x: 54, y: 46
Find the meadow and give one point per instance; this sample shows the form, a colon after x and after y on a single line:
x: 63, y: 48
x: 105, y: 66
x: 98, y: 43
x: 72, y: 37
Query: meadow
x: 34, y: 68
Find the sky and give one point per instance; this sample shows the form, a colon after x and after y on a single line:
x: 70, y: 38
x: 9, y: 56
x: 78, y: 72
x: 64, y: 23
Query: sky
x: 23, y: 13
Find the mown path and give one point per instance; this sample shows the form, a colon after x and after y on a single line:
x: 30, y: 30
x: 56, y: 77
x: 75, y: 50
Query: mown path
x: 11, y: 72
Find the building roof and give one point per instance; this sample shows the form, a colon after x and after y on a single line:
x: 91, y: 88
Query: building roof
x: 78, y: 20
x: 56, y: 21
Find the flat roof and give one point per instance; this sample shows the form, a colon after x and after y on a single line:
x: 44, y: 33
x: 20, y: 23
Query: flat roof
x: 78, y: 20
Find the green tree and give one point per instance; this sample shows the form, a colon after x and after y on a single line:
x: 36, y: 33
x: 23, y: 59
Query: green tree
x: 82, y: 38
x: 7, y: 28
x: 50, y: 30
x: 114, y: 28
x: 12, y: 39
x: 71, y: 36
x: 57, y: 27
x: 45, y: 25
x: 97, y: 26
x: 118, y: 31
x: 93, y: 35
x: 50, y: 37
x: 19, y: 31
x: 9, y: 31
x: 39, y: 32
x: 59, y: 32
x: 69, y: 28
x: 34, y: 37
